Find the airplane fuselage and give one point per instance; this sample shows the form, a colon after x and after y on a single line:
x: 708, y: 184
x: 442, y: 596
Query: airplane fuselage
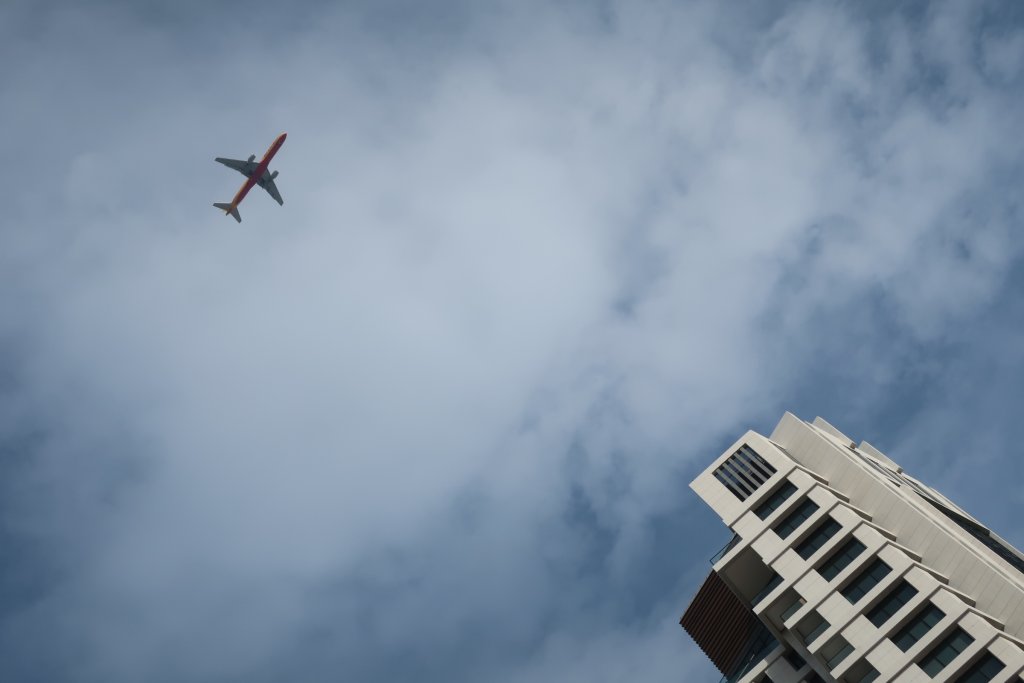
x: 258, y: 173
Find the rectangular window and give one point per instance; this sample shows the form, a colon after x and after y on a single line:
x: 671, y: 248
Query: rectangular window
x: 794, y: 659
x: 772, y: 584
x: 793, y: 608
x: 766, y: 679
x: 841, y: 559
x: 861, y: 672
x: 868, y: 578
x: 795, y: 518
x: 814, y: 678
x: 839, y: 656
x: 818, y: 538
x: 946, y: 651
x: 917, y: 627
x: 774, y: 501
x: 811, y: 626
x: 982, y: 671
x: 744, y: 472
x: 891, y: 603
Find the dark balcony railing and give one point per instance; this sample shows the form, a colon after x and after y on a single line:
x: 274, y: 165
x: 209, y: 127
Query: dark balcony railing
x: 761, y: 644
x: 728, y: 546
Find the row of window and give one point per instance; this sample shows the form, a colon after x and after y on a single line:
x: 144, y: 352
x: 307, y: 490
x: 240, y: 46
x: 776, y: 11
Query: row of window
x: 934, y: 661
x: 870, y: 576
x: 982, y: 671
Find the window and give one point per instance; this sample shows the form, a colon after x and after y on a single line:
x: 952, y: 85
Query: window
x: 835, y: 651
x: 794, y: 660
x: 814, y: 678
x: 818, y: 538
x: 765, y: 679
x: 866, y: 580
x: 744, y: 472
x: 773, y: 583
x: 795, y: 518
x: 917, y: 627
x: 861, y: 672
x: 891, y: 603
x: 811, y: 626
x: 774, y: 501
x: 841, y: 559
x: 982, y: 671
x: 839, y: 656
x: 793, y: 608
x: 945, y: 652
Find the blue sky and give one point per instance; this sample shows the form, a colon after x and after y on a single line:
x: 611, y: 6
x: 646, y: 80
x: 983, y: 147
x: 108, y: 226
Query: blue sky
x: 538, y: 263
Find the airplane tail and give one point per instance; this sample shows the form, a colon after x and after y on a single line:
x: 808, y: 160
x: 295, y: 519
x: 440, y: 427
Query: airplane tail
x: 228, y: 208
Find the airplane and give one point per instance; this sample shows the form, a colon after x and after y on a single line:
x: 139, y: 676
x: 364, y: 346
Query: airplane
x: 257, y: 174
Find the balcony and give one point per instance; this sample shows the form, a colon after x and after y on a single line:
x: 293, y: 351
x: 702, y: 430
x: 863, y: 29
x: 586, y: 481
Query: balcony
x: 733, y: 542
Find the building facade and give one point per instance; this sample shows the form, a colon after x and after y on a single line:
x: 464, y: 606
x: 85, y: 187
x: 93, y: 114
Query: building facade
x: 842, y: 567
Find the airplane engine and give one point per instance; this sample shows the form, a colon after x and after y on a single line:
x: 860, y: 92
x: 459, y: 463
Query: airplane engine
x: 273, y: 175
x: 252, y: 158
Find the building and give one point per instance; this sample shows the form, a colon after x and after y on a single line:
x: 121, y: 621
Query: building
x: 842, y: 567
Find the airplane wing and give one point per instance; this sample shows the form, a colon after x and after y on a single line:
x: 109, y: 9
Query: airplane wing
x: 246, y: 168
x: 267, y: 183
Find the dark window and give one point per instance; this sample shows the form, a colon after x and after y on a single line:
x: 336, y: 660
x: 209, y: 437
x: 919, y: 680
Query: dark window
x: 774, y: 501
x: 795, y: 518
x: 841, y: 559
x: 813, y: 634
x: 744, y: 472
x: 772, y: 584
x: 866, y: 580
x: 839, y: 656
x: 757, y: 648
x: 982, y: 671
x: 869, y: 675
x: 891, y: 603
x: 860, y: 672
x: 917, y: 627
x: 945, y: 652
x: 793, y: 608
x: 766, y: 679
x: 814, y: 678
x: 794, y: 659
x: 818, y: 538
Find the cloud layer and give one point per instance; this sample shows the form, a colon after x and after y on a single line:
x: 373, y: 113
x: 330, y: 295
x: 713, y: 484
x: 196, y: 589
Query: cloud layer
x: 435, y: 416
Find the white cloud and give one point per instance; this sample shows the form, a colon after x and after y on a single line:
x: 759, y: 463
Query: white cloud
x: 530, y: 252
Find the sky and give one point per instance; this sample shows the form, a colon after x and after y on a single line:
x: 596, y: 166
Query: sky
x: 538, y: 264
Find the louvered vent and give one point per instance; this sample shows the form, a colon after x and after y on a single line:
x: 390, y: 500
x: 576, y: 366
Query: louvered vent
x: 744, y: 472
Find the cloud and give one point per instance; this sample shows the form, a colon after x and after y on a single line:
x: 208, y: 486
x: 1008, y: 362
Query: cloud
x: 535, y: 265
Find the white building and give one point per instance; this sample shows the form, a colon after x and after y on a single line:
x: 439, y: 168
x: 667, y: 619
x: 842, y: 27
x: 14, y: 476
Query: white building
x: 844, y: 568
